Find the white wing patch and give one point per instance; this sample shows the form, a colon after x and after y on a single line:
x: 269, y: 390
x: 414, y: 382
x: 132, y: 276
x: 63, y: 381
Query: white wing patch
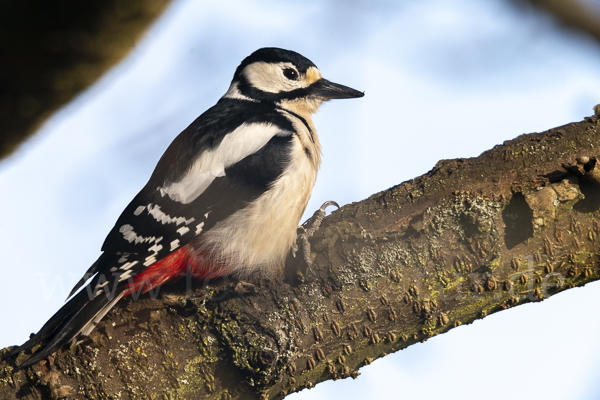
x: 99, y: 288
x: 174, y: 244
x: 139, y: 210
x: 130, y: 235
x: 189, y: 188
x: 183, y: 230
x: 125, y: 275
x: 151, y: 259
x: 128, y: 265
x: 235, y: 146
x: 199, y: 228
x: 156, y: 248
x: 163, y: 218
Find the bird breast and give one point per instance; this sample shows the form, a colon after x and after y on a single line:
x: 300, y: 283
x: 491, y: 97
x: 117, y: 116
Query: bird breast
x: 259, y: 236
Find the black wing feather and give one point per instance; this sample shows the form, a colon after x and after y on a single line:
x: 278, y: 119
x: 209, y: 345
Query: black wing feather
x: 243, y: 182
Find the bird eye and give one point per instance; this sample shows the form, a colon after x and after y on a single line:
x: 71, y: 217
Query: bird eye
x: 290, y: 74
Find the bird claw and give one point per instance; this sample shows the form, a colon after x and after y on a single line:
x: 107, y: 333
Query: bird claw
x: 307, y: 230
x: 242, y: 288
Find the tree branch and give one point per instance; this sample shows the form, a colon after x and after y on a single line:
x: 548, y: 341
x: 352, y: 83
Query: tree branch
x: 53, y: 50
x: 572, y: 13
x: 472, y: 237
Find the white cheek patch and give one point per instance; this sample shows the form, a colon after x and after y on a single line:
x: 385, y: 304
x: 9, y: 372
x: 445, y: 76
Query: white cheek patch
x: 268, y: 77
x: 211, y: 164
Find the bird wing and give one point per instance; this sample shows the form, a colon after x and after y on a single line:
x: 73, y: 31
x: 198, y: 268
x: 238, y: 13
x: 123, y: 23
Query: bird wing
x: 223, y: 161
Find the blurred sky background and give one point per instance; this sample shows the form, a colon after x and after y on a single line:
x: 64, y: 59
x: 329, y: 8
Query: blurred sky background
x: 443, y: 79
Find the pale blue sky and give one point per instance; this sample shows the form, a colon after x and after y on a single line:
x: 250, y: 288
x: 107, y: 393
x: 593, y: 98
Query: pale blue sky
x: 443, y: 79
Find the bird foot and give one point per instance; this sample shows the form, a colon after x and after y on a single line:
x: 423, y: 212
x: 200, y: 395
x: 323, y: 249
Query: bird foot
x: 307, y: 230
x: 243, y: 288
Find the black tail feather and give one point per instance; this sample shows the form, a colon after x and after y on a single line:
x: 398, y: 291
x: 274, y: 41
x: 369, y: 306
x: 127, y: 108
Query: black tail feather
x: 58, y: 319
x: 104, y: 259
x: 64, y: 326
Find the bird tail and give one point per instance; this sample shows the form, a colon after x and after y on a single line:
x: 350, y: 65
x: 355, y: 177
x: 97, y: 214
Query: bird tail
x: 76, y: 318
x: 80, y: 315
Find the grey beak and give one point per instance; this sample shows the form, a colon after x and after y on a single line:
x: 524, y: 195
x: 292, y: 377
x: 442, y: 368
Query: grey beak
x: 327, y: 90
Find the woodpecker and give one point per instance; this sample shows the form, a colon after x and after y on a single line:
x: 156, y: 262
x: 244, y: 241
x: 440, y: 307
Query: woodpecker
x: 226, y: 197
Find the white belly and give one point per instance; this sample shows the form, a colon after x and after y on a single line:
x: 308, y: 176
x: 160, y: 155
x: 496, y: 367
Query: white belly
x: 259, y: 236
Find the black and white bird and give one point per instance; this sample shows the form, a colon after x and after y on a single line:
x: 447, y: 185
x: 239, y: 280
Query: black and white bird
x: 225, y: 198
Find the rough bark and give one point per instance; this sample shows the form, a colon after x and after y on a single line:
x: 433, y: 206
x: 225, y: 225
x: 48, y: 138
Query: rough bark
x: 52, y: 50
x: 470, y: 238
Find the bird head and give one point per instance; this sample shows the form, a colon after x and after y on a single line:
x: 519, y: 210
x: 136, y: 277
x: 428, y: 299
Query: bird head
x: 287, y: 79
